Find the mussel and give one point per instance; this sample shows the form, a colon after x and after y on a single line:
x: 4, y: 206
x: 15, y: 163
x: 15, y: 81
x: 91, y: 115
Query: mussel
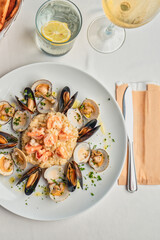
x: 21, y: 121
x: 64, y: 98
x: 73, y: 175
x: 43, y: 88
x: 6, y: 164
x: 19, y: 158
x: 7, y: 140
x: 82, y: 153
x: 57, y: 184
x: 99, y: 160
x: 23, y: 105
x: 32, y: 176
x: 75, y: 117
x: 88, y: 130
x: 65, y: 102
x: 89, y: 109
x: 6, y: 112
x: 30, y: 100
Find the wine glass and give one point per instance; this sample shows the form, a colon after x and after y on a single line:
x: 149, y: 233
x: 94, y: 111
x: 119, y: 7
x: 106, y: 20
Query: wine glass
x: 105, y: 36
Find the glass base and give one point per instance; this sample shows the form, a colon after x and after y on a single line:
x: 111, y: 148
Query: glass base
x: 105, y: 37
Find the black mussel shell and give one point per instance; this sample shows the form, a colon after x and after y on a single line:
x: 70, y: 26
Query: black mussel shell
x: 29, y: 96
x: 8, y: 140
x: 88, y: 126
x: 87, y: 134
x: 78, y: 173
x: 65, y: 94
x: 28, y: 174
x: 32, y: 182
x: 71, y: 177
x: 70, y: 103
x: 22, y: 105
x: 73, y: 174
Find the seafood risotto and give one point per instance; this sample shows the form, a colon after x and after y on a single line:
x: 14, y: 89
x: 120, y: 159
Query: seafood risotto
x: 49, y: 140
x: 53, y: 139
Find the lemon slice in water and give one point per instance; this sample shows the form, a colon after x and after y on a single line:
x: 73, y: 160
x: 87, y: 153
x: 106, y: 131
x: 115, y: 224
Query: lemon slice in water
x: 56, y: 31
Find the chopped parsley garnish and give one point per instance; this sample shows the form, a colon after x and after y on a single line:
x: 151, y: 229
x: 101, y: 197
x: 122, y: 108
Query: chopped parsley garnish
x: 17, y: 121
x: 99, y: 178
x: 94, y: 147
x: 48, y: 95
x: 55, y: 181
x: 82, y: 169
x: 82, y: 106
x: 92, y: 194
x: 7, y: 110
x: 91, y: 175
x: 113, y: 140
x: 43, y: 104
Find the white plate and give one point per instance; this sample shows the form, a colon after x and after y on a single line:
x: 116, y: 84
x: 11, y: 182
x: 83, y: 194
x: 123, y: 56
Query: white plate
x: 13, y: 199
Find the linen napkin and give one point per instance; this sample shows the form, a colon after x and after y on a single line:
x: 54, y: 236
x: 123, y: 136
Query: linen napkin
x: 146, y: 133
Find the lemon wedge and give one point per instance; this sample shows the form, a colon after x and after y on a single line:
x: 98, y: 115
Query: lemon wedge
x: 56, y: 31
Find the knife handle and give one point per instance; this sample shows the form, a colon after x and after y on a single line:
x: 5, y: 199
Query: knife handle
x: 132, y: 180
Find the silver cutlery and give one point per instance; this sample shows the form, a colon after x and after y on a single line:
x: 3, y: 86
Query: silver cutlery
x: 128, y: 116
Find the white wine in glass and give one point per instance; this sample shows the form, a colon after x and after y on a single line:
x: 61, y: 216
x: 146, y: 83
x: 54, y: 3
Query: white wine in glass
x: 106, y: 36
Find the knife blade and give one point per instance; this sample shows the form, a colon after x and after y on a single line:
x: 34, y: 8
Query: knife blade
x: 128, y: 116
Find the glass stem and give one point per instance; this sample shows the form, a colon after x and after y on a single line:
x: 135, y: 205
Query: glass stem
x: 109, y: 29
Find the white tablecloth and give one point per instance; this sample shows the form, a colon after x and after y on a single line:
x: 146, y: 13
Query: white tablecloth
x: 120, y: 215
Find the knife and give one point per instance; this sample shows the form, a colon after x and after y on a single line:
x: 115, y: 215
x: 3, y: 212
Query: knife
x: 128, y: 116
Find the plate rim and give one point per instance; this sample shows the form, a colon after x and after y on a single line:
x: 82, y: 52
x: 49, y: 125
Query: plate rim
x: 123, y: 122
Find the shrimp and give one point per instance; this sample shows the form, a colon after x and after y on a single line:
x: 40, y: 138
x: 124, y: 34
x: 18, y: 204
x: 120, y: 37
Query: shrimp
x: 36, y: 133
x: 32, y: 149
x: 50, y: 139
x: 54, y: 122
x: 43, y: 155
x: 61, y: 152
x: 65, y: 134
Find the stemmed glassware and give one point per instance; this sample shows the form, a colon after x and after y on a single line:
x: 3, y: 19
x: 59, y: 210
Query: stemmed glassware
x: 107, y: 34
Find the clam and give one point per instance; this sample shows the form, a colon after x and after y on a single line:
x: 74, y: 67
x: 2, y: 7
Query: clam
x: 75, y: 117
x: 73, y: 175
x: 57, y: 184
x: 7, y: 140
x: 43, y: 88
x: 65, y: 102
x: 21, y: 121
x: 44, y: 106
x: 32, y: 176
x: 30, y: 99
x: 88, y: 130
x: 89, y: 109
x: 58, y: 191
x: 99, y: 160
x: 82, y: 153
x: 19, y: 158
x: 6, y: 112
x: 54, y: 173
x: 6, y: 165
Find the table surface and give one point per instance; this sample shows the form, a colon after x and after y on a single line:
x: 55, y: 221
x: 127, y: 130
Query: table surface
x: 120, y: 215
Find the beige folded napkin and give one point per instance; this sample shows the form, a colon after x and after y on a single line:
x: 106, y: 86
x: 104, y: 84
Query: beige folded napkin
x: 146, y: 107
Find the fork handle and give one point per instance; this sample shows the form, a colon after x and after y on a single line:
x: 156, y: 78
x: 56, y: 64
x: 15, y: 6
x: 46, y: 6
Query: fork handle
x: 132, y: 180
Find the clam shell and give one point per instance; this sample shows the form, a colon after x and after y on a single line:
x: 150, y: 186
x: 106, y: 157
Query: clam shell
x: 9, y: 106
x: 44, y: 106
x: 60, y: 198
x: 19, y: 158
x: 6, y: 162
x: 75, y: 117
x: 94, y: 114
x: 82, y: 153
x: 105, y: 163
x: 21, y: 121
x: 54, y: 173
